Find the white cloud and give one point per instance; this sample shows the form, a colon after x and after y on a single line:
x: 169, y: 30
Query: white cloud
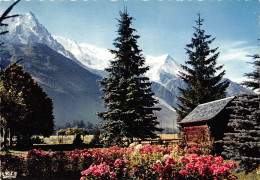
x: 234, y: 56
x: 236, y: 51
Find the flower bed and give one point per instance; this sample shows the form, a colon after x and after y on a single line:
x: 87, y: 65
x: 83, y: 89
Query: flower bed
x: 138, y: 162
x: 151, y: 162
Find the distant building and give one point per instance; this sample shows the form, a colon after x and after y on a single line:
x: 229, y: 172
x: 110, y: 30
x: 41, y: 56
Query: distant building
x: 208, y: 121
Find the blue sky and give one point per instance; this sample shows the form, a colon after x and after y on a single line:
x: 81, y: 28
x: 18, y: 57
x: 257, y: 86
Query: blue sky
x: 165, y: 26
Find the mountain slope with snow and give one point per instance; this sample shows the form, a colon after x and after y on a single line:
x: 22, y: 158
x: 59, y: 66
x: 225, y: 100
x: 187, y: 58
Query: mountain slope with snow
x: 162, y: 68
x: 95, y: 59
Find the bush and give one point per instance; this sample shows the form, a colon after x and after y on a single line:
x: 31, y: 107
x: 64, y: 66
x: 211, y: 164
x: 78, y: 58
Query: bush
x: 77, y: 141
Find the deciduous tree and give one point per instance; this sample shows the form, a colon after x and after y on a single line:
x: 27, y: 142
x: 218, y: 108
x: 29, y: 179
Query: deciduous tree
x: 25, y: 107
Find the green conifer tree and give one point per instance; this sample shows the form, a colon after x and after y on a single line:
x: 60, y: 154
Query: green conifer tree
x: 128, y: 95
x: 241, y: 143
x: 254, y: 83
x: 202, y: 83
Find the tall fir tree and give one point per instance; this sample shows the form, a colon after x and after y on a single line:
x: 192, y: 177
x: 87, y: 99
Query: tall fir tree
x: 242, y: 143
x: 128, y: 95
x: 203, y: 85
x: 254, y: 83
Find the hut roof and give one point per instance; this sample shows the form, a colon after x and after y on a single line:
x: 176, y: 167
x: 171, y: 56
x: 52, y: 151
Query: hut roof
x: 206, y: 111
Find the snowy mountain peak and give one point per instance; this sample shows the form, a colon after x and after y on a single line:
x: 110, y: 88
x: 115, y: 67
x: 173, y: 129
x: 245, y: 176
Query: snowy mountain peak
x: 162, y: 68
x: 171, y: 65
x: 26, y: 29
x: 30, y: 15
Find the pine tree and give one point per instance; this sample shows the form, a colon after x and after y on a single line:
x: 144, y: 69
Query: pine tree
x: 242, y: 144
x: 202, y: 83
x: 128, y: 95
x: 255, y: 75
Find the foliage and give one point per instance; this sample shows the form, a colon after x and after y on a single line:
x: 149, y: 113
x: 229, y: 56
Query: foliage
x: 37, y: 140
x: 25, y: 107
x: 202, y: 83
x: 128, y: 95
x: 77, y: 141
x: 76, y: 123
x: 13, y: 109
x: 255, y: 75
x: 97, y: 135
x: 243, y: 143
x: 254, y: 175
x: 78, y: 132
x: 11, y: 162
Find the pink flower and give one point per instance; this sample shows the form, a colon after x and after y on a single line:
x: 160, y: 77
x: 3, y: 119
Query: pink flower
x: 219, y: 160
x: 184, y: 160
x: 192, y: 157
x: 158, y: 167
x: 232, y: 165
x: 135, y: 166
x: 183, y: 172
x: 118, y: 162
x: 170, y: 161
x: 179, y: 148
x: 190, y: 167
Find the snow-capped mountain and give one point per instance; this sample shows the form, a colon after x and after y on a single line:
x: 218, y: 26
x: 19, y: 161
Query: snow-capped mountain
x: 26, y: 29
x: 93, y: 58
x: 162, y: 68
